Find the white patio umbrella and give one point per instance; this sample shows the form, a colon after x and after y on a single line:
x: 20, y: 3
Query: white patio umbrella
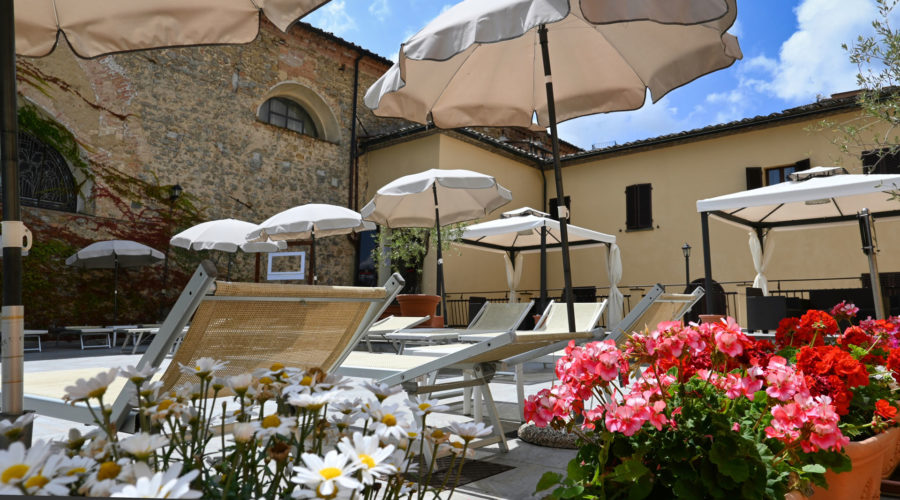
x: 113, y: 254
x: 526, y: 230
x: 306, y: 222
x: 820, y: 196
x: 92, y: 28
x: 453, y: 196
x: 477, y: 64
x: 226, y: 235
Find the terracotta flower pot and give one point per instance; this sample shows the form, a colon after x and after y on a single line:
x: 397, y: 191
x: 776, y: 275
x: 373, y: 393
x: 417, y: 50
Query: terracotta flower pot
x: 864, y: 480
x: 892, y: 454
x: 711, y: 318
x: 421, y: 305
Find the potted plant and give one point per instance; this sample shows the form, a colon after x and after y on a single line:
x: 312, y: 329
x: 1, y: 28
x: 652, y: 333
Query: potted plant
x: 855, y: 373
x: 405, y: 250
x: 687, y: 411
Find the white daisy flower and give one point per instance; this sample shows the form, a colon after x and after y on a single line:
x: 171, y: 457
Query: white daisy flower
x: 341, y: 421
x: 77, y: 466
x: 368, y: 455
x: 47, y: 479
x: 204, y: 367
x: 12, y: 430
x: 243, y: 432
x: 470, y: 430
x: 93, y: 387
x: 332, y: 382
x: 105, y: 478
x: 326, y: 475
x: 141, y: 446
x: 162, y: 485
x: 239, y: 383
x: 381, y: 391
x: 312, y: 402
x: 137, y: 375
x: 423, y: 406
x: 389, y: 421
x: 346, y: 406
x: 272, y: 425
x: 17, y: 464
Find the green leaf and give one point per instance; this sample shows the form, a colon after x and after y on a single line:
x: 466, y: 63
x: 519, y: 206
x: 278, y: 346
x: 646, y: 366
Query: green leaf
x: 570, y: 492
x: 814, y: 469
x: 629, y: 470
x: 641, y: 488
x: 547, y: 480
x: 724, y: 455
x: 575, y: 471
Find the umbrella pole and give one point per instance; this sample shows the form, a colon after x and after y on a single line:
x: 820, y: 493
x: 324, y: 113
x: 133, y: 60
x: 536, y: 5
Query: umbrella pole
x: 13, y: 313
x: 868, y: 248
x: 116, y: 291
x: 440, y: 255
x: 312, y: 258
x: 543, y: 301
x: 562, y: 211
x: 228, y: 275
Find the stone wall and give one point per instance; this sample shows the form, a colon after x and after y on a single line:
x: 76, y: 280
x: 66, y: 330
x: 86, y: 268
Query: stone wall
x: 144, y: 121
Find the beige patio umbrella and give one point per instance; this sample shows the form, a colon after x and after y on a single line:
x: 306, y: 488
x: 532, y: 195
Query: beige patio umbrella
x: 483, y: 64
x: 93, y: 28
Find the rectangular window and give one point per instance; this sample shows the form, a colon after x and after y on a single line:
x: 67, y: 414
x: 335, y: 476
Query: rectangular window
x: 779, y: 174
x: 638, y: 207
x: 554, y: 205
x: 882, y: 161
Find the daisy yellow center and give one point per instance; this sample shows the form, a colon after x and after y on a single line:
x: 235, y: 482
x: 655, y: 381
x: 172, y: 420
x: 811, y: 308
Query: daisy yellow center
x: 437, y: 434
x: 266, y: 380
x: 96, y: 393
x: 76, y: 470
x: 367, y: 460
x: 456, y: 445
x: 271, y: 421
x: 164, y: 405
x: 17, y: 471
x: 330, y: 472
x: 36, y: 481
x: 108, y: 470
x: 424, y: 406
x: 389, y: 420
x: 306, y: 380
x: 276, y: 367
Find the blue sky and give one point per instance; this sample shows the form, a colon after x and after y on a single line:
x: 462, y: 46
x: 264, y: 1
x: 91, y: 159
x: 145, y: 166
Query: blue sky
x: 792, y: 54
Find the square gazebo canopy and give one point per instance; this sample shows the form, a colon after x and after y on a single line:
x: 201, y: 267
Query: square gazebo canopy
x: 815, y: 197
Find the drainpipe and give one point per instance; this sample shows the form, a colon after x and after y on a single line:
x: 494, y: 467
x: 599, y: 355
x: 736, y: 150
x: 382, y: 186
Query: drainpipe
x: 353, y: 183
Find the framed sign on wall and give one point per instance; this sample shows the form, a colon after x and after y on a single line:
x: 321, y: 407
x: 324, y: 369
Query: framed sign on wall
x: 286, y: 266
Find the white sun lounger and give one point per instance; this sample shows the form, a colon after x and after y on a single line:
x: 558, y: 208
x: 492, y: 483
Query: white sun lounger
x: 391, y: 324
x: 494, y: 318
x: 249, y: 325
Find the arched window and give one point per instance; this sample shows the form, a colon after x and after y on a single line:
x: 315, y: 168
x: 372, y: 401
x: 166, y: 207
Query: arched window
x: 288, y: 114
x: 45, y: 179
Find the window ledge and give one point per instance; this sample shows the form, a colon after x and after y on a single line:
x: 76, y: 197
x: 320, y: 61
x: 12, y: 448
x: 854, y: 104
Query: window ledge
x: 640, y: 229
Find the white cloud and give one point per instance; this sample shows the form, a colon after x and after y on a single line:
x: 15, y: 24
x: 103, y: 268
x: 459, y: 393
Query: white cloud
x: 737, y: 29
x: 333, y: 17
x: 380, y: 9
x: 811, y: 62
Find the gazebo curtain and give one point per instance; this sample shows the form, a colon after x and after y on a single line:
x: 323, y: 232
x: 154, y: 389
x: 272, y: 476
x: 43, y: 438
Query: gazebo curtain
x: 513, y: 273
x: 762, y: 255
x: 615, y: 305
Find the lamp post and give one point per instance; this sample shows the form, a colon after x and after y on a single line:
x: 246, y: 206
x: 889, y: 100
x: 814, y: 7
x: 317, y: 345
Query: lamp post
x: 174, y: 193
x: 686, y: 250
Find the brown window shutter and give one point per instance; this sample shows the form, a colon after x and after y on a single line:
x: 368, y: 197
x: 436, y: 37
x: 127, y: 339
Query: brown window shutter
x: 754, y: 177
x: 884, y: 161
x: 801, y: 165
x: 638, y: 207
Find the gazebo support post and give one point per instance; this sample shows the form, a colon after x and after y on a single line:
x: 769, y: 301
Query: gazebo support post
x: 440, y: 254
x: 543, y: 301
x: 707, y: 264
x: 868, y: 248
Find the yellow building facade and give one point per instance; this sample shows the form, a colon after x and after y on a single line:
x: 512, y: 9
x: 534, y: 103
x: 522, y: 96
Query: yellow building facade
x: 681, y: 169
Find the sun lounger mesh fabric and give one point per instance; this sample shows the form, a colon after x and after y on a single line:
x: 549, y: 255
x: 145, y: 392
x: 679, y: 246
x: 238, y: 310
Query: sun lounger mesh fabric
x: 525, y: 342
x: 559, y: 319
x: 254, y: 333
x: 501, y: 317
x: 668, y: 307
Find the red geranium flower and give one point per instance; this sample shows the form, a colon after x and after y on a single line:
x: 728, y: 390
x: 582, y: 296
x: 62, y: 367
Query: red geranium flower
x: 786, y: 333
x: 815, y: 325
x: 885, y: 410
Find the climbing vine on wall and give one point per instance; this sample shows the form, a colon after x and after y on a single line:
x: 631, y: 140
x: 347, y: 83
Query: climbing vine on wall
x: 56, y: 295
